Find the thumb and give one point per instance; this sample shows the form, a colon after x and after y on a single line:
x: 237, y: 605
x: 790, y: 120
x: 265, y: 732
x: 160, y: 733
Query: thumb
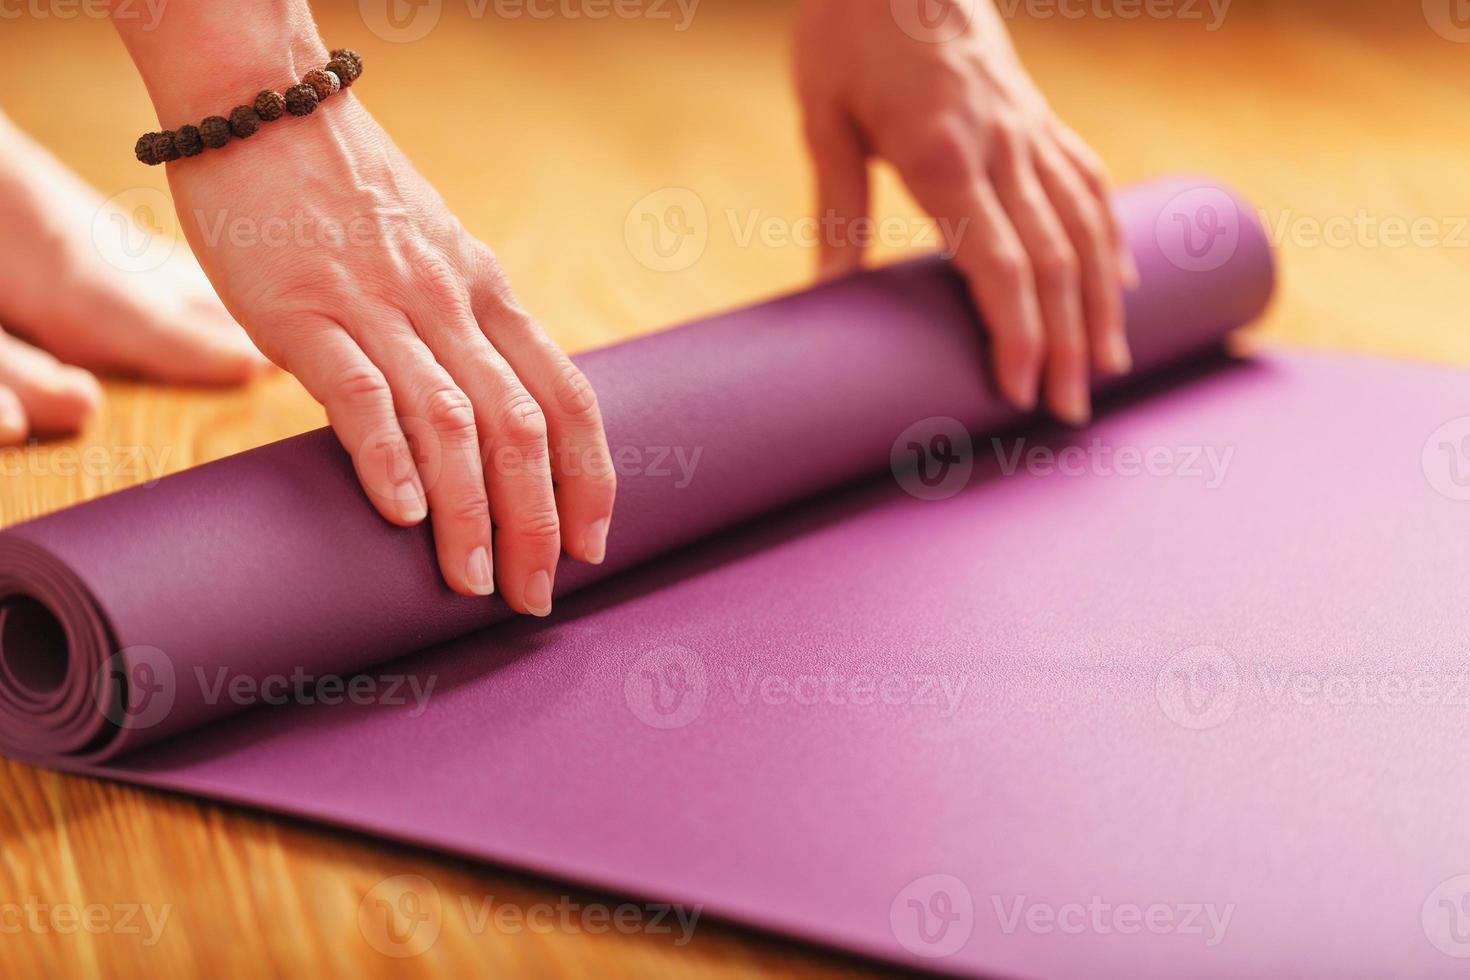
x: 840, y: 161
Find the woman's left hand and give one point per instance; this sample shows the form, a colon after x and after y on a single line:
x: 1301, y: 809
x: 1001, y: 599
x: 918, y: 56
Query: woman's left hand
x: 1022, y: 200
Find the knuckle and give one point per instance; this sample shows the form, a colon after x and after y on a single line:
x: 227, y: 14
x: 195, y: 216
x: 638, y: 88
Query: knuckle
x: 1068, y: 352
x: 1091, y: 167
x: 470, y: 508
x: 521, y: 423
x: 604, y: 483
x: 1022, y: 344
x: 386, y: 444
x: 491, y: 294
x: 1093, y: 230
x: 497, y: 300
x: 1004, y: 132
x: 539, y: 526
x: 362, y: 386
x: 574, y: 394
x: 596, y: 484
x: 448, y: 411
x: 1056, y: 264
x: 377, y: 289
x: 481, y: 258
x: 438, y: 282
x: 1008, y: 266
x: 585, y: 468
x: 943, y: 155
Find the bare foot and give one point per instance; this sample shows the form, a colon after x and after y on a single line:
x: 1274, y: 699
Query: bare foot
x: 39, y: 395
x: 84, y: 285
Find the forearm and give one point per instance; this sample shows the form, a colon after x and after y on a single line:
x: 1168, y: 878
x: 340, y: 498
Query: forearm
x: 204, y: 57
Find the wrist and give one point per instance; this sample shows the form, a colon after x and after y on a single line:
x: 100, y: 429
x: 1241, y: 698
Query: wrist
x: 203, y: 59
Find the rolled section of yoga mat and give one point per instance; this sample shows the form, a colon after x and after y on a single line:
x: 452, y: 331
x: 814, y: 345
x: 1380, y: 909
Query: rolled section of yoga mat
x: 273, y: 560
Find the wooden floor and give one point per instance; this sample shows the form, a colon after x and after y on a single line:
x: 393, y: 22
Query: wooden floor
x: 1343, y: 121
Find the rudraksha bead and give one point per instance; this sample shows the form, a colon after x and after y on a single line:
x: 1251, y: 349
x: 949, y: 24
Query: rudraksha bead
x: 188, y: 141
x: 156, y: 148
x: 164, y: 141
x: 216, y: 131
x: 346, y: 71
x: 270, y: 106
x: 301, y: 100
x: 243, y: 121
x: 322, y: 82
x: 146, y: 150
x: 350, y: 58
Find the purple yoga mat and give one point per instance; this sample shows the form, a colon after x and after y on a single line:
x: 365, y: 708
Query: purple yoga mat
x: 1068, y: 703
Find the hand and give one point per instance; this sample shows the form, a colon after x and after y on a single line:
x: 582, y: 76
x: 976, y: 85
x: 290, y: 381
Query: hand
x: 1022, y: 200
x: 348, y: 270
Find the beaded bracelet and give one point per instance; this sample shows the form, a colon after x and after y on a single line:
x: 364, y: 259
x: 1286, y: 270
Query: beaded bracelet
x: 215, y: 131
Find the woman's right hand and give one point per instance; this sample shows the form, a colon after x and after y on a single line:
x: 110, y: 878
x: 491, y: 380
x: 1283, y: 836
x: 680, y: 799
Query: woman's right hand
x: 348, y: 270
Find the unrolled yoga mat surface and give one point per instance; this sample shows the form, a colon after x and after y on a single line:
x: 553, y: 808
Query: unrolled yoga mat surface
x: 1178, y: 693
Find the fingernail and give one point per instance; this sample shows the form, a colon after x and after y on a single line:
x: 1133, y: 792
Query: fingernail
x: 12, y: 421
x: 412, y: 506
x: 1130, y: 270
x: 538, y: 594
x: 85, y: 383
x: 74, y: 382
x: 596, y: 542
x: 478, y: 571
x: 1023, y: 393
x: 1120, y: 359
x: 1072, y: 404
